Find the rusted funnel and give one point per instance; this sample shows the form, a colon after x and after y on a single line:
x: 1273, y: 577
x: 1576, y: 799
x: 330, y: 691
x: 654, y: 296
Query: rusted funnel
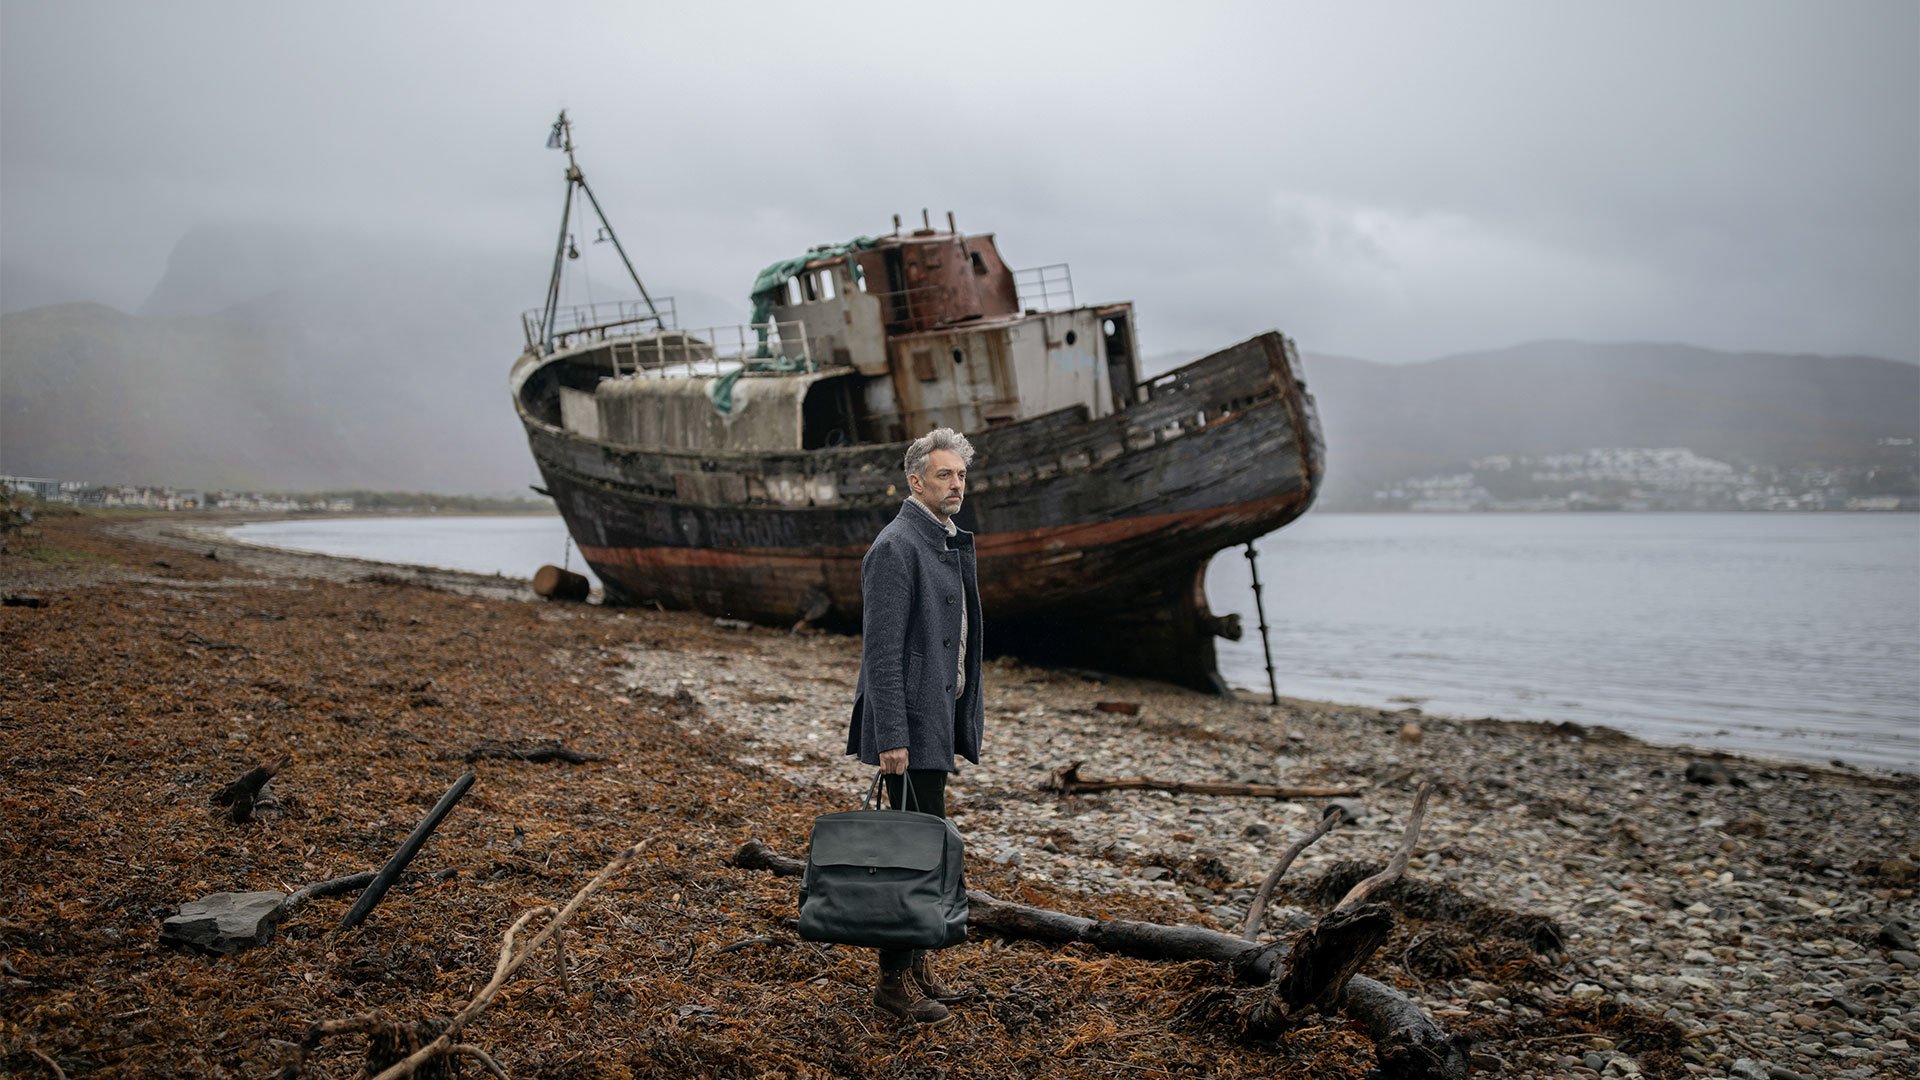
x: 556, y: 584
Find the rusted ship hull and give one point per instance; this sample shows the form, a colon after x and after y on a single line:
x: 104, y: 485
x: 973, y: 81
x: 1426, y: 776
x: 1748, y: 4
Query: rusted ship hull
x: 1093, y: 535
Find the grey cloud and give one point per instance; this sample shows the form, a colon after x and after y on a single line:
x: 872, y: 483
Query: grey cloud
x: 1389, y: 180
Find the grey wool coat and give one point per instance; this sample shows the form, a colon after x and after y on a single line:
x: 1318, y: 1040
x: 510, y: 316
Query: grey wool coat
x: 913, y: 582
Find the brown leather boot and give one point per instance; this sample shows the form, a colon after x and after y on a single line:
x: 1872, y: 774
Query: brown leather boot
x: 893, y: 996
x: 931, y: 986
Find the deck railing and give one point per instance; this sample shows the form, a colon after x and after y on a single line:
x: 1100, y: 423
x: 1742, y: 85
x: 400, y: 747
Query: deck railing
x: 715, y: 350
x: 928, y: 307
x: 579, y: 323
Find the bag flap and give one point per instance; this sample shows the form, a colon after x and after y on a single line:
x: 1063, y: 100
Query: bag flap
x: 876, y: 838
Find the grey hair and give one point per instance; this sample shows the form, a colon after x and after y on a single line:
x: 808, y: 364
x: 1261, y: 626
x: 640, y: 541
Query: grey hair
x: 920, y: 451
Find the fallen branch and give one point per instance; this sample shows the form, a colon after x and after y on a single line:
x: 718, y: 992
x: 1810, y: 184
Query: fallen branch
x: 1312, y: 971
x: 58, y: 1072
x: 1331, y: 951
x: 486, y: 1060
x: 383, y: 1033
x: 1396, y: 865
x: 408, y: 849
x: 1068, y: 781
x: 1257, y: 912
x: 329, y: 887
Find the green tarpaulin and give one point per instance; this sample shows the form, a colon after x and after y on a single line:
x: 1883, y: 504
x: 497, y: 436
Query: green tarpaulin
x: 766, y: 289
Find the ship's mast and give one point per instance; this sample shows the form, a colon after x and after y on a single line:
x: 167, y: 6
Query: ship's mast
x: 562, y: 139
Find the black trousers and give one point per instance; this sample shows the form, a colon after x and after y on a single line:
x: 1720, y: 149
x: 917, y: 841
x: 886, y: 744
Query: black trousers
x: 924, y: 791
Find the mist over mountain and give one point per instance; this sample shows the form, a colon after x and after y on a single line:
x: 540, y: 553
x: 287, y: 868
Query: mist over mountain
x: 218, y: 266
x: 267, y: 359
x: 92, y: 393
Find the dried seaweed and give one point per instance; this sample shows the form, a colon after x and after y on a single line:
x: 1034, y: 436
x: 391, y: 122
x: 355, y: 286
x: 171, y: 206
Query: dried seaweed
x: 116, y: 733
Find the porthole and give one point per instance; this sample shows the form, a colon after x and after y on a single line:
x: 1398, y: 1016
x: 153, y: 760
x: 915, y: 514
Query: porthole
x: 1072, y: 337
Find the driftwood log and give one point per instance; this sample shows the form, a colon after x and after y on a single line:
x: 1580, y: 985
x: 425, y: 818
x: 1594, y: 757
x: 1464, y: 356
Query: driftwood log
x: 1312, y: 971
x: 1067, y: 780
x: 552, y: 583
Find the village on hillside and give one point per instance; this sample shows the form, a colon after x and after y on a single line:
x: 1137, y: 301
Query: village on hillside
x: 1673, y: 478
x: 89, y: 494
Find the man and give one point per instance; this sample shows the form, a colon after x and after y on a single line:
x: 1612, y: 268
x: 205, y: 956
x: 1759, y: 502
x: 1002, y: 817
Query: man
x: 918, y: 709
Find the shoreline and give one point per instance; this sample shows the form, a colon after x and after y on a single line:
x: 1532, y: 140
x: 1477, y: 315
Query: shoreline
x: 1576, y: 905
x: 464, y: 579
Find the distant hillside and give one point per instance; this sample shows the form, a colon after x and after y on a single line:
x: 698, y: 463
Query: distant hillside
x: 1384, y: 422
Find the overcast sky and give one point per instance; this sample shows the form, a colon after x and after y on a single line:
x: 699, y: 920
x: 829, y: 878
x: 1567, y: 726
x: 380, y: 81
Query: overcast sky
x: 1390, y: 181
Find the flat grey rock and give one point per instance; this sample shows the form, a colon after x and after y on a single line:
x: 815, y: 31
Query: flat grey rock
x: 225, y: 922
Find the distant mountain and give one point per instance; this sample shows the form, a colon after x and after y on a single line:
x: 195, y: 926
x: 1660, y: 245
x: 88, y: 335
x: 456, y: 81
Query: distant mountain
x: 263, y: 360
x: 214, y: 267
x: 1385, y: 422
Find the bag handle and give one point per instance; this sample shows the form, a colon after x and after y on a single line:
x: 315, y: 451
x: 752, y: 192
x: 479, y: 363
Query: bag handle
x: 872, y: 801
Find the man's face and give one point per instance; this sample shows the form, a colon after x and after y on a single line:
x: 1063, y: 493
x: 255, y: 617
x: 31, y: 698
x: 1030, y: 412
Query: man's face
x: 944, y: 485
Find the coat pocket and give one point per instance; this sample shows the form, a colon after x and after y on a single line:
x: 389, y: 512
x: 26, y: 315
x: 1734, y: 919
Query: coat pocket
x: 916, y: 663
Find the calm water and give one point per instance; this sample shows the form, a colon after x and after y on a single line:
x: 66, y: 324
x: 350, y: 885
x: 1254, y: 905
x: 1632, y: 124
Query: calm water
x: 1791, y: 635
x: 1787, y: 635
x: 515, y: 545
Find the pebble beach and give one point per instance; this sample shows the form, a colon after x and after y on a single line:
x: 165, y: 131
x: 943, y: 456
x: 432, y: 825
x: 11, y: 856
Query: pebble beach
x: 1765, y: 909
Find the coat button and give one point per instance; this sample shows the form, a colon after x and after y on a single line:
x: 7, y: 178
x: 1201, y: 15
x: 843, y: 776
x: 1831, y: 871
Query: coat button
x: 949, y: 599
x: 948, y: 643
x: 949, y: 689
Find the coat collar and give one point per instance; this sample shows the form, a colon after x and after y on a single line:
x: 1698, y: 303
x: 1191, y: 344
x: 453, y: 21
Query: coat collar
x: 922, y: 523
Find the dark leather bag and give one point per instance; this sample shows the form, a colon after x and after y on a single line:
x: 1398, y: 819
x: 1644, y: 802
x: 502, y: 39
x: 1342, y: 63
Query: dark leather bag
x: 884, y: 879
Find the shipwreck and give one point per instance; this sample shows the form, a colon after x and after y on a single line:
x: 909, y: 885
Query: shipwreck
x: 742, y: 471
